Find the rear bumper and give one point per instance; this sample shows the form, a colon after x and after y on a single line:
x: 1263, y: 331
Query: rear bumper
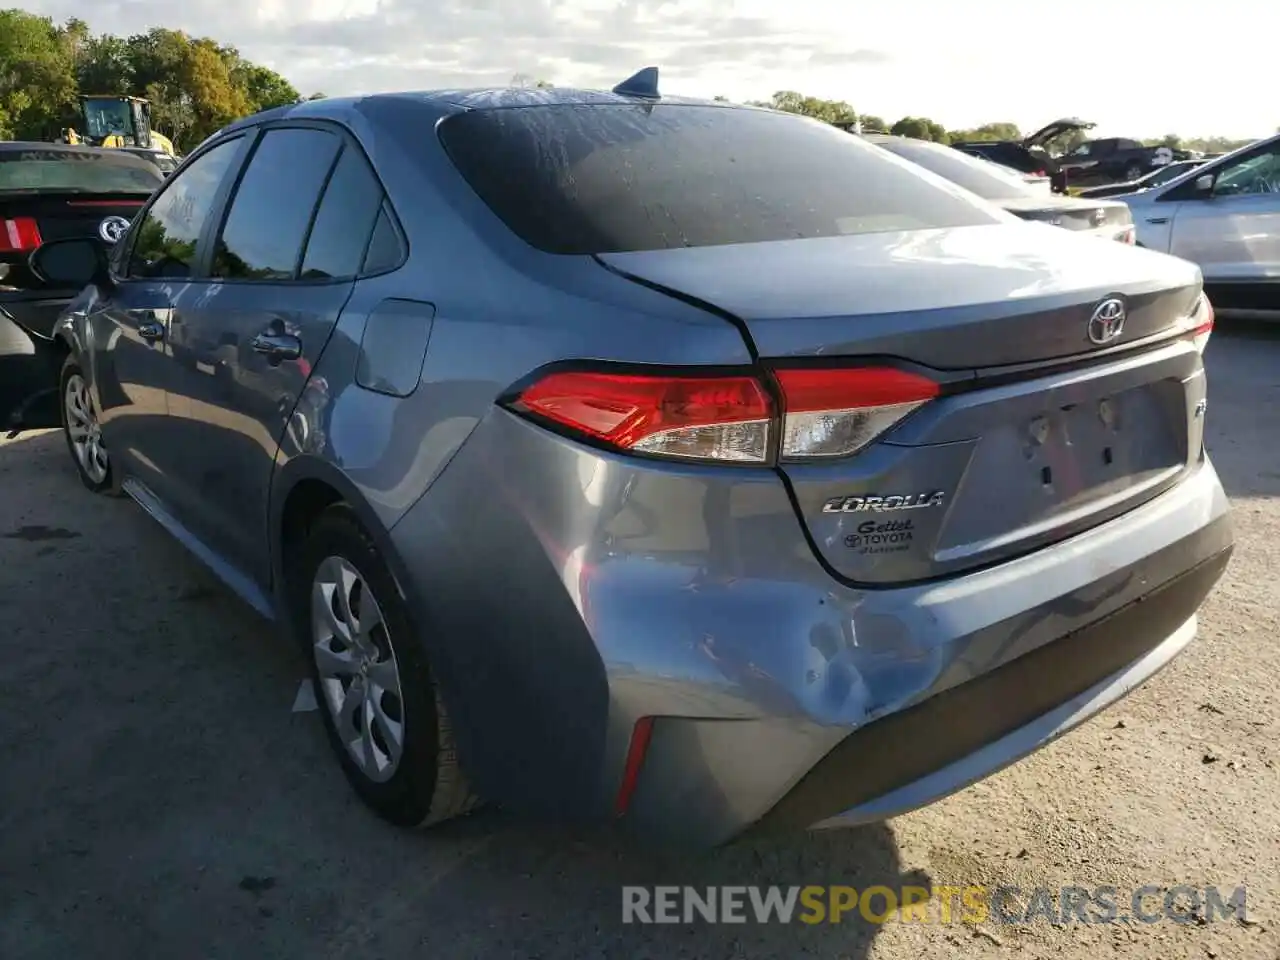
x: 921, y: 754
x: 586, y: 591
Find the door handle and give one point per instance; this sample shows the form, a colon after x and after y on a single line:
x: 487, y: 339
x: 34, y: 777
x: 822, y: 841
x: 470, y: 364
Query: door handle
x: 151, y: 330
x: 277, y: 347
x: 1157, y: 219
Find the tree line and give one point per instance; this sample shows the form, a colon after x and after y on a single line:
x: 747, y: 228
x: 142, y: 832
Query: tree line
x: 923, y: 128
x: 195, y: 85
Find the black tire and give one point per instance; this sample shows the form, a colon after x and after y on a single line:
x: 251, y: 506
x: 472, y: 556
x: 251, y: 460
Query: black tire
x: 428, y: 786
x: 1132, y: 173
x: 108, y: 486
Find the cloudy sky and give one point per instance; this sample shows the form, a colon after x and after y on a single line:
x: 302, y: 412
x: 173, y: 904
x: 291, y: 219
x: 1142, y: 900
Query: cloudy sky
x: 1135, y: 67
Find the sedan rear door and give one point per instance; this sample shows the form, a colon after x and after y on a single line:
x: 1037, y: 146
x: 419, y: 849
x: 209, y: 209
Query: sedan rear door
x: 282, y: 268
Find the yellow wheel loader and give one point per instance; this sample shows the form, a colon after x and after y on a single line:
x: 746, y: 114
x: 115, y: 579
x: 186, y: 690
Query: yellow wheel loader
x: 122, y: 122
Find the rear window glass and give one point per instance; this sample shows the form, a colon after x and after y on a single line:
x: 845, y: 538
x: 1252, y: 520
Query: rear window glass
x: 575, y: 179
x: 979, y: 176
x: 70, y: 170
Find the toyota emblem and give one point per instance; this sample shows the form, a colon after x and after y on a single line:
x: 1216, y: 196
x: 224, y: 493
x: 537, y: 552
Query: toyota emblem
x: 112, y: 229
x: 1107, y: 321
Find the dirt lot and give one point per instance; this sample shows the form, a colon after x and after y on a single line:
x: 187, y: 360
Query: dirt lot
x: 159, y: 798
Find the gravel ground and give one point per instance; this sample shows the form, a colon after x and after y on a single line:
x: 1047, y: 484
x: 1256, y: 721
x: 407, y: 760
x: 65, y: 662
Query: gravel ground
x: 160, y: 799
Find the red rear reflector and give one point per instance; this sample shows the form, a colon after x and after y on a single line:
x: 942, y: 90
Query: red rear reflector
x: 640, y: 736
x: 835, y: 413
x: 19, y: 235
x: 1202, y: 316
x: 710, y: 418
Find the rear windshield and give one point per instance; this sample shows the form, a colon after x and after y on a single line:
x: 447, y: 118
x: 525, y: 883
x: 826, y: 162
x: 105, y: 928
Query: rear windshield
x: 978, y: 175
x: 81, y: 172
x: 583, y: 179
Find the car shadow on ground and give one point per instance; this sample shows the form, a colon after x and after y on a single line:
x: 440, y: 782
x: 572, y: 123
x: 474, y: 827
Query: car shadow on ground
x: 1242, y: 426
x: 161, y: 798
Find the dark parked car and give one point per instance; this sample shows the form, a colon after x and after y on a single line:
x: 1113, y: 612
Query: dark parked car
x: 1112, y: 160
x: 1156, y: 178
x: 695, y: 468
x: 50, y: 191
x: 1027, y: 155
x: 1109, y: 219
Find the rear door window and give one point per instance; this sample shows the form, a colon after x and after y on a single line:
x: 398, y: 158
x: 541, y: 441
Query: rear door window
x: 271, y: 211
x: 583, y: 179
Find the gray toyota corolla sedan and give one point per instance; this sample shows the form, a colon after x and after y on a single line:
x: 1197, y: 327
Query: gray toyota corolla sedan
x: 620, y: 457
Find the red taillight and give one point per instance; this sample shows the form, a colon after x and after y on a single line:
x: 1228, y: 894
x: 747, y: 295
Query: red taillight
x: 19, y: 235
x: 835, y: 413
x: 826, y: 412
x: 706, y: 418
x: 641, y: 734
x: 1201, y: 321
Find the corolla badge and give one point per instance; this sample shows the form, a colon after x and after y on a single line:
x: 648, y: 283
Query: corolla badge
x: 112, y: 229
x: 1107, y: 321
x: 884, y: 504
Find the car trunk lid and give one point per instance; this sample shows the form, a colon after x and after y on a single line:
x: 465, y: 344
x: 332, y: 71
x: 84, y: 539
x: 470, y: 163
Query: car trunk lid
x: 1038, y: 431
x: 1072, y: 214
x: 1055, y: 129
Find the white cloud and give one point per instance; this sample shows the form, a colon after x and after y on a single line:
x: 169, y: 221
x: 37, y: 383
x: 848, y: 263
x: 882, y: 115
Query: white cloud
x: 1134, y: 71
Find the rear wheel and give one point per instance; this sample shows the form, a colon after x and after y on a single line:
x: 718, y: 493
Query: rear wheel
x: 379, y: 702
x: 83, y: 432
x: 1132, y: 172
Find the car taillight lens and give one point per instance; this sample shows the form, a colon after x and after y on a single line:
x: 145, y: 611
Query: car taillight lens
x: 1128, y: 235
x: 1201, y: 322
x: 724, y: 418
x: 19, y: 235
x: 825, y: 412
x: 834, y: 413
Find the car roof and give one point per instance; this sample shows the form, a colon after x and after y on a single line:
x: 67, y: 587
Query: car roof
x: 448, y: 101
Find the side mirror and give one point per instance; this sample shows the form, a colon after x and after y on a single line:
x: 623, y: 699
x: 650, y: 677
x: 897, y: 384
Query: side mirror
x: 1204, y: 184
x: 74, y: 262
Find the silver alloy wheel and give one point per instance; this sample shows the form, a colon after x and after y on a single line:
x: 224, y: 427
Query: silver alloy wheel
x: 84, y: 431
x: 359, y: 677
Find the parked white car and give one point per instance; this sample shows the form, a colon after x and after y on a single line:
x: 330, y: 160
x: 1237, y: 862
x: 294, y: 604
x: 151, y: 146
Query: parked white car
x: 1225, y: 217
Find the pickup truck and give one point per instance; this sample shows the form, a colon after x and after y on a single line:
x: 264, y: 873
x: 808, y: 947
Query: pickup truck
x: 1113, y: 160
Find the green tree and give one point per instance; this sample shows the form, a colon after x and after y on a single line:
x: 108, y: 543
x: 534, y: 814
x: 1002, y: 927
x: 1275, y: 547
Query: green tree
x: 988, y: 132
x: 37, y: 85
x: 105, y: 66
x: 922, y: 128
x: 264, y: 88
x: 829, y: 111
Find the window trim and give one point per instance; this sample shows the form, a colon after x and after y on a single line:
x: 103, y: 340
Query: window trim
x: 122, y: 252
x: 389, y: 210
x: 1186, y: 190
x: 347, y: 141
